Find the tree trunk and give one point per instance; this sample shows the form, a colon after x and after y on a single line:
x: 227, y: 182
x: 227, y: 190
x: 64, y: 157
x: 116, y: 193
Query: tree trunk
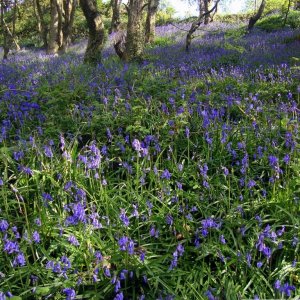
x: 69, y: 7
x: 4, y: 30
x: 297, y: 4
x: 55, y: 33
x: 135, y: 40
x: 206, y: 9
x: 201, y: 7
x: 8, y: 36
x: 42, y: 25
x: 115, y: 20
x: 257, y: 16
x: 287, y: 13
x: 96, y: 31
x: 196, y: 25
x: 150, y: 21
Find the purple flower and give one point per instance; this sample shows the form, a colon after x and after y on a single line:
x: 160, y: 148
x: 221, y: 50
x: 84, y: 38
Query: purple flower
x: 36, y: 237
x: 286, y: 159
x: 19, y: 260
x: 73, y: 241
x: 3, y: 225
x: 18, y: 155
x: 209, y: 295
x: 124, y: 218
x: 48, y: 151
x: 169, y: 220
x: 70, y: 293
x: 136, y: 145
x: 119, y: 296
x: 251, y: 184
x: 11, y: 247
x: 287, y: 289
x: 166, y: 174
x: 248, y: 259
x: 187, y: 132
x: 222, y: 239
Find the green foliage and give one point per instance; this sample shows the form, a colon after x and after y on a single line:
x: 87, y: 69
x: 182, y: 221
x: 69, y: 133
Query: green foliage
x: 275, y: 21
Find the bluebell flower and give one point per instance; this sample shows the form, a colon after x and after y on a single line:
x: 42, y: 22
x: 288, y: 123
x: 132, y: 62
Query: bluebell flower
x: 119, y: 296
x: 166, y: 174
x: 36, y: 237
x: 3, y: 225
x: 70, y: 293
x: 72, y: 240
x: 11, y: 247
x: 124, y: 218
x: 222, y: 239
x: 19, y: 260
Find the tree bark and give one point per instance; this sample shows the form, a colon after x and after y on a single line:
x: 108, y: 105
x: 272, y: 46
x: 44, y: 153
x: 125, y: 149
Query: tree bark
x: 55, y: 33
x: 135, y: 39
x: 96, y: 31
x: 69, y: 7
x: 42, y: 25
x: 115, y: 20
x: 8, y: 36
x: 257, y: 16
x: 150, y: 21
x: 4, y: 30
x: 201, y: 7
x: 287, y: 13
x: 206, y: 9
x: 196, y: 25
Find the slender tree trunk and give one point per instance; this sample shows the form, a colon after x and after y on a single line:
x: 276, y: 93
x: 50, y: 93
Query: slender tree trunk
x: 115, y: 20
x: 196, y: 25
x: 55, y: 33
x: 69, y: 7
x: 150, y: 21
x: 287, y: 13
x: 4, y: 30
x: 96, y: 31
x: 206, y: 9
x: 42, y: 25
x: 257, y: 16
x: 201, y: 7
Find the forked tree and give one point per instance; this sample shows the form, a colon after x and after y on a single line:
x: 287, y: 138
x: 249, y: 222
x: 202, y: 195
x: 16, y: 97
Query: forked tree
x: 61, y: 23
x: 115, y: 19
x: 195, y: 25
x: 131, y: 47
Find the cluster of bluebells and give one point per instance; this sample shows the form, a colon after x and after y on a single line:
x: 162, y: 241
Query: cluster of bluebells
x: 175, y: 165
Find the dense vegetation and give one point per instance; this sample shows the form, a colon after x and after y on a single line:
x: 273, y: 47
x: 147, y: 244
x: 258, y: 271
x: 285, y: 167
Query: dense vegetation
x: 177, y: 177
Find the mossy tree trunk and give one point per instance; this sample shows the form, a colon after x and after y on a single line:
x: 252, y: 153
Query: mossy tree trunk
x: 135, y: 39
x: 9, y: 39
x: 115, y: 20
x: 96, y: 31
x: 150, y: 21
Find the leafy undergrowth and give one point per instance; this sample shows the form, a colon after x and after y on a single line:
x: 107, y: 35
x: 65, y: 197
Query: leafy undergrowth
x: 174, y: 179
